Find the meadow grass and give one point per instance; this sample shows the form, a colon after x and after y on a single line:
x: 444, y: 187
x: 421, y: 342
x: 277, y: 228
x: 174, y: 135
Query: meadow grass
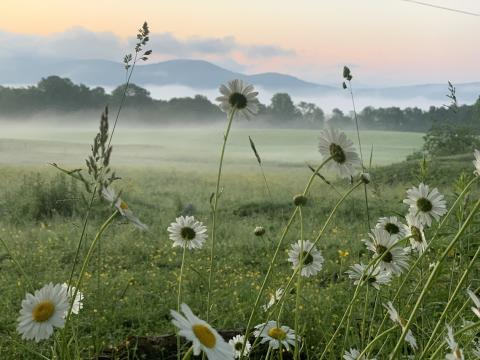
x: 178, y: 148
x: 139, y: 270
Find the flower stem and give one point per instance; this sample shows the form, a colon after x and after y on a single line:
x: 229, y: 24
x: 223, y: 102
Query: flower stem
x: 100, y: 232
x: 214, y: 209
x: 450, y: 302
x: 188, y: 354
x: 417, y: 261
x: 458, y: 333
x: 275, y: 255
x: 299, y: 286
x: 431, y: 278
x: 82, y: 236
x: 378, y: 337
x: 17, y: 264
x: 179, y: 295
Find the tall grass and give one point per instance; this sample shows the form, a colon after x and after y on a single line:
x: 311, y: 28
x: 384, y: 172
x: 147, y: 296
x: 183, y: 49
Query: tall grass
x: 318, y: 309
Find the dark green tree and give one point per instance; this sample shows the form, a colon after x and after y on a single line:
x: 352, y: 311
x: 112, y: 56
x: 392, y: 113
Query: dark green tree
x: 282, y: 108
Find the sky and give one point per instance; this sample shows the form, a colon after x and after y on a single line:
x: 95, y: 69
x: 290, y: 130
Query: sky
x: 385, y: 42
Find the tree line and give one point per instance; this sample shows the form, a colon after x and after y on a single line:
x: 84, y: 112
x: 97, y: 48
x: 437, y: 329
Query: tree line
x: 56, y: 94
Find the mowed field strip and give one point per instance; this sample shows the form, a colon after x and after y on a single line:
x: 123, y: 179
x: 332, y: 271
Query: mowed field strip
x: 195, y: 147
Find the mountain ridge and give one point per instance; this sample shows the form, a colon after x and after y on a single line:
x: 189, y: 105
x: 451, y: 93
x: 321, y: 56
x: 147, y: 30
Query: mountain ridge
x: 201, y: 74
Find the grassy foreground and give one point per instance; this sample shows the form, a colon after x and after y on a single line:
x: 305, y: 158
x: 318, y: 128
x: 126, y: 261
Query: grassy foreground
x: 131, y: 283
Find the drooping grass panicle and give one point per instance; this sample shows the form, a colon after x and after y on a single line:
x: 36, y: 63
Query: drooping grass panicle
x: 259, y: 161
x: 453, y: 98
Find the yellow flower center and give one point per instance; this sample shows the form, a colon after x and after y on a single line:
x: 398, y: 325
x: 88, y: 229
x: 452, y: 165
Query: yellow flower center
x: 43, y: 311
x: 204, y: 335
x: 277, y: 333
x: 123, y: 205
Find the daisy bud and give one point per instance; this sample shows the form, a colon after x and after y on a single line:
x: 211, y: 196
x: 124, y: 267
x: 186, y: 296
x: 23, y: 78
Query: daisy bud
x: 344, y: 85
x: 300, y: 200
x: 365, y: 177
x: 259, y: 231
x: 347, y: 74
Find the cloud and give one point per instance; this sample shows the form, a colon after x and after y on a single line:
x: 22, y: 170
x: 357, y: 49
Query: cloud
x: 268, y: 51
x: 80, y: 43
x: 74, y: 43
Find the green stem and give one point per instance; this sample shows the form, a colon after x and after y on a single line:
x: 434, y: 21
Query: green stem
x: 414, y: 265
x: 188, y: 354
x: 364, y: 317
x: 458, y: 333
x: 17, y: 264
x: 299, y: 286
x: 179, y: 295
x: 371, y: 343
x: 450, y: 302
x: 459, y: 312
x: 374, y: 262
x: 266, y: 182
x: 275, y: 255
x: 82, y: 236
x: 320, y: 234
x: 100, y: 232
x: 214, y: 210
x: 431, y: 278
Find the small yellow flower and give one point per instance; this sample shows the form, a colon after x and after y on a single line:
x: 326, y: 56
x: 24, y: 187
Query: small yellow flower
x: 343, y: 254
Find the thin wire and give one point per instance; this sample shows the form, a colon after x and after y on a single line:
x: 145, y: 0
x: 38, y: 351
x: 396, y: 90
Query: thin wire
x: 442, y: 7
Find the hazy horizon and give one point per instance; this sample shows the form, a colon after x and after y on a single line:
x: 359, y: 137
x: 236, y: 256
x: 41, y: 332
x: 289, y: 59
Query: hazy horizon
x: 385, y: 43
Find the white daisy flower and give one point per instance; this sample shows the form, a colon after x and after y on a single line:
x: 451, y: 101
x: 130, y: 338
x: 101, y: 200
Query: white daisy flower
x: 425, y: 204
x: 43, y: 311
x: 275, y: 335
x: 476, y: 162
x: 418, y: 241
x: 274, y: 298
x: 238, y: 96
x: 409, y: 338
x: 335, y: 144
x: 186, y: 231
x: 312, y: 258
x: 373, y: 276
x: 354, y: 354
x: 456, y: 352
x: 393, y: 226
x: 237, y: 344
x: 122, y: 208
x: 77, y: 303
x: 396, y: 258
x: 201, y: 334
x: 476, y: 301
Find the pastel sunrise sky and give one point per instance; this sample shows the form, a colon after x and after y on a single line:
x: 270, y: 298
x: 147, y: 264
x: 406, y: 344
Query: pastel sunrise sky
x: 385, y: 42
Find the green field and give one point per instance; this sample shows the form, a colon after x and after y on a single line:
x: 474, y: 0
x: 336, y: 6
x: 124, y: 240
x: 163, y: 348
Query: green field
x: 192, y: 147
x: 131, y: 282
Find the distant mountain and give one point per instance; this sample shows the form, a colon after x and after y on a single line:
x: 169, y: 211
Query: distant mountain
x: 193, y: 73
x: 203, y: 75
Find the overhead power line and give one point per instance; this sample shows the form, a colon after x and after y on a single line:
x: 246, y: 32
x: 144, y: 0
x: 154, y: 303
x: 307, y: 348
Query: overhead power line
x: 442, y: 7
